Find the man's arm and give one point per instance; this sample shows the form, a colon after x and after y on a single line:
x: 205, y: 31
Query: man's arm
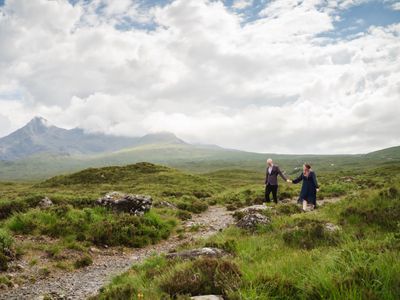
x: 281, y: 174
x: 266, y: 176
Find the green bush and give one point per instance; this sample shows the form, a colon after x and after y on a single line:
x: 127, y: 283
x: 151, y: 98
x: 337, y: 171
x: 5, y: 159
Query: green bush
x: 288, y: 209
x: 337, y: 189
x: 203, y: 277
x: 308, y: 234
x: 131, y: 230
x: 277, y: 287
x: 229, y: 246
x: 96, y: 225
x: 193, y: 205
x: 183, y: 215
x: 382, y: 210
x: 6, y: 241
x: 8, y: 207
x: 4, y: 262
x: 83, y: 262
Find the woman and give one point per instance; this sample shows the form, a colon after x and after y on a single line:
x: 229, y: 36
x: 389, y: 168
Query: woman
x: 309, y: 189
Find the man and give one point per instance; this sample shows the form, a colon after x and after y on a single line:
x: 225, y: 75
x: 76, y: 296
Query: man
x: 271, y: 180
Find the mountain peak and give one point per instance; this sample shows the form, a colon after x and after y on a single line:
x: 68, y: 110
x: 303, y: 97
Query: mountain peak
x: 37, y: 120
x: 37, y: 125
x: 161, y: 137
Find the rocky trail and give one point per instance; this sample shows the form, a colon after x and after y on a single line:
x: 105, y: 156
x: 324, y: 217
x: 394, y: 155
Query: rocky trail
x: 85, y: 282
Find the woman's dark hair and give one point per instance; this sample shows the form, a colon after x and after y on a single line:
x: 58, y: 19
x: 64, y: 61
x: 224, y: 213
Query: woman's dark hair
x: 308, y: 167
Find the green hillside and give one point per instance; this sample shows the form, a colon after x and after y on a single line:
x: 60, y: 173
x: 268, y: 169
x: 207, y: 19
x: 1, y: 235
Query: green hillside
x: 389, y: 154
x: 196, y: 159
x: 184, y: 156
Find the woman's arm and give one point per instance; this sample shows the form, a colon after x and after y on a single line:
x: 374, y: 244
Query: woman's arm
x: 298, y: 179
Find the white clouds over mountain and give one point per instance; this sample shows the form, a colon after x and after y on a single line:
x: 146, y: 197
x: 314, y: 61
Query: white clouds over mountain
x: 193, y: 67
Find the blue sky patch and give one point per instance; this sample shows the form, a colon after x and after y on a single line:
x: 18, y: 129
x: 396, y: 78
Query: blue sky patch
x: 359, y: 18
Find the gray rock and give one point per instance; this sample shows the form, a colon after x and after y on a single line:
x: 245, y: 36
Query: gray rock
x: 207, y: 297
x: 199, y: 252
x: 133, y: 204
x: 45, y: 203
x: 94, y: 250
x: 165, y: 204
x: 254, y: 209
x: 331, y: 227
x: 252, y: 220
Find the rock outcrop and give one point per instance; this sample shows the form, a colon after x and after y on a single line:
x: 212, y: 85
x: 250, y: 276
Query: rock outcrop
x: 199, y: 252
x: 133, y: 204
x: 254, y: 209
x: 252, y: 220
x: 45, y: 203
x: 331, y: 227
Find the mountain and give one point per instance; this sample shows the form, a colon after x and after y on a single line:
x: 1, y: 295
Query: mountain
x: 39, y: 136
x: 40, y: 150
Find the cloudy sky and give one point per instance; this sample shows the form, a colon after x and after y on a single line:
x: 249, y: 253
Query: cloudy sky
x: 312, y: 76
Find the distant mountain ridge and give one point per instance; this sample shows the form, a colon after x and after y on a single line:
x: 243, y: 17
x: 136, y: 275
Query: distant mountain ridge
x: 39, y: 136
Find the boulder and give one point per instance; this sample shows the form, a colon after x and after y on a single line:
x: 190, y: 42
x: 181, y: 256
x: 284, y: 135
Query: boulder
x: 45, y: 203
x: 252, y: 220
x: 207, y: 297
x: 199, y: 252
x: 133, y: 204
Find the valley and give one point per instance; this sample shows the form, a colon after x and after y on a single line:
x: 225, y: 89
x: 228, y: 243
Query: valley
x: 74, y: 247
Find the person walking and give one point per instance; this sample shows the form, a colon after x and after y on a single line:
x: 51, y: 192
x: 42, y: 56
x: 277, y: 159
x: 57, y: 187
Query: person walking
x: 309, y: 188
x: 271, y: 181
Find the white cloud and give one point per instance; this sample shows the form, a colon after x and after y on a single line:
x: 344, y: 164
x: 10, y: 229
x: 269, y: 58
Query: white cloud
x: 242, y: 4
x: 270, y: 85
x: 396, y: 6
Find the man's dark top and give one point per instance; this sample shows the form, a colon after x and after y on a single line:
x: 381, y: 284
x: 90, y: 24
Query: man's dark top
x: 272, y: 179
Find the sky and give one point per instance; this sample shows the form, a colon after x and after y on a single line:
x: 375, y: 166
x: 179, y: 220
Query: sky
x: 304, y: 76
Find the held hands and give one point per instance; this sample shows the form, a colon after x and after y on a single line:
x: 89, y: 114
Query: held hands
x: 289, y: 181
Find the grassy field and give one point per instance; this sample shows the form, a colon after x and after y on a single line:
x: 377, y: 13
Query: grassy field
x: 293, y: 258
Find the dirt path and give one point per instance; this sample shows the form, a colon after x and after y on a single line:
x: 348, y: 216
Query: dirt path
x: 83, y: 283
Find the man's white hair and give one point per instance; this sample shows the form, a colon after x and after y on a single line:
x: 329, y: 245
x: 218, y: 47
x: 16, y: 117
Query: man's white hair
x: 269, y: 160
